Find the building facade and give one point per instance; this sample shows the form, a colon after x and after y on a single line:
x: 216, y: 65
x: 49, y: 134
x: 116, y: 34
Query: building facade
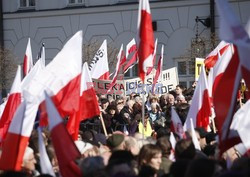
x: 176, y: 24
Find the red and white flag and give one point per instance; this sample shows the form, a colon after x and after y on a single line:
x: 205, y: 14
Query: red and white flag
x: 158, y: 74
x: 212, y: 57
x: 226, y: 92
x: 16, y: 141
x: 200, y: 108
x: 88, y: 103
x: 146, y: 38
x: 194, y: 136
x: 65, y: 149
x: 13, y: 101
x: 99, y: 67
x: 235, y: 33
x: 220, y: 67
x: 130, y: 49
x: 61, y: 79
x: 149, y: 70
x: 28, y: 59
x: 45, y: 164
x: 176, y: 124
x: 120, y: 57
x: 41, y: 55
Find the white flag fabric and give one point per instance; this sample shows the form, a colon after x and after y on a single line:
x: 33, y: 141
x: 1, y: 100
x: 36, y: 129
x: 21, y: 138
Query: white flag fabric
x: 45, y: 164
x: 194, y: 136
x: 28, y: 59
x: 99, y: 67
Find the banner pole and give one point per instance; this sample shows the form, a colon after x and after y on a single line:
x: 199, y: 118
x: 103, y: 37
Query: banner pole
x: 103, y: 125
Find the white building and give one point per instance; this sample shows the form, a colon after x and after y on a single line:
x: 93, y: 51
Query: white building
x: 55, y: 21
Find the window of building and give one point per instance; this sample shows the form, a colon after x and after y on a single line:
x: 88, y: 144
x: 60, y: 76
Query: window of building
x: 186, y: 70
x: 76, y: 1
x: 132, y: 72
x: 27, y: 3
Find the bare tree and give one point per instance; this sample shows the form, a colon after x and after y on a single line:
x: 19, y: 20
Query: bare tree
x: 8, y: 67
x: 90, y: 49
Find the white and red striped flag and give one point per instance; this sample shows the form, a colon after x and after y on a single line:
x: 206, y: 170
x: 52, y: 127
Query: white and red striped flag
x: 130, y: 48
x: 212, y: 57
x: 149, y: 70
x: 61, y: 79
x: 65, y: 149
x: 120, y: 58
x: 13, y: 101
x: 41, y: 54
x: 16, y: 141
x: 146, y: 38
x: 99, y: 67
x: 28, y: 59
x: 226, y: 92
x: 88, y: 103
x: 158, y: 74
x: 200, y: 108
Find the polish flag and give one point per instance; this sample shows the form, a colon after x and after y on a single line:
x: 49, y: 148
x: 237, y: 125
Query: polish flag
x: 61, y: 79
x: 221, y: 66
x: 14, y: 100
x: 88, y: 103
x: 212, y: 57
x: 45, y: 164
x: 65, y: 149
x: 16, y: 141
x: 99, y: 67
x: 146, y: 38
x: 236, y: 34
x: 149, y: 70
x: 158, y: 74
x: 28, y: 60
x: 176, y: 124
x: 117, y: 69
x: 226, y: 92
x: 130, y: 48
x: 200, y: 108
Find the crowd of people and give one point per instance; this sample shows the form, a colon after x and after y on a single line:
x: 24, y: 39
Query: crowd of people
x: 137, y: 147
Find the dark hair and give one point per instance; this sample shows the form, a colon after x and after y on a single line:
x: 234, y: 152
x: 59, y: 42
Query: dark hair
x: 184, y: 149
x: 182, y: 110
x: 165, y: 146
x: 147, y: 152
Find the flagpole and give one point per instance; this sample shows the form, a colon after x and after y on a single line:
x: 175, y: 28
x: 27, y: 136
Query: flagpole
x: 103, y: 125
x: 143, y: 111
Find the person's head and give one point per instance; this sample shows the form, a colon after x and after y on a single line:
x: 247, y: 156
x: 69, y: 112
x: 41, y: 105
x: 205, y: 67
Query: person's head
x: 150, y: 154
x: 104, y: 103
x: 132, y: 145
x: 165, y: 146
x: 130, y: 104
x: 179, y: 89
x: 182, y: 110
x: 29, y: 161
x: 91, y: 166
x: 111, y: 109
x: 154, y: 107
x: 116, y: 142
x: 184, y: 149
x: 181, y: 99
x: 171, y: 99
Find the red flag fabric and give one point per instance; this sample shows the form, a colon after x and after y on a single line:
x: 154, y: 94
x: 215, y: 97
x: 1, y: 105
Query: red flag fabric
x: 158, y: 73
x: 65, y: 149
x: 99, y: 67
x: 200, y: 108
x: 146, y: 37
x: 212, y: 57
x: 14, y: 100
x: 61, y: 79
x: 28, y: 59
x: 16, y: 141
x: 88, y: 103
